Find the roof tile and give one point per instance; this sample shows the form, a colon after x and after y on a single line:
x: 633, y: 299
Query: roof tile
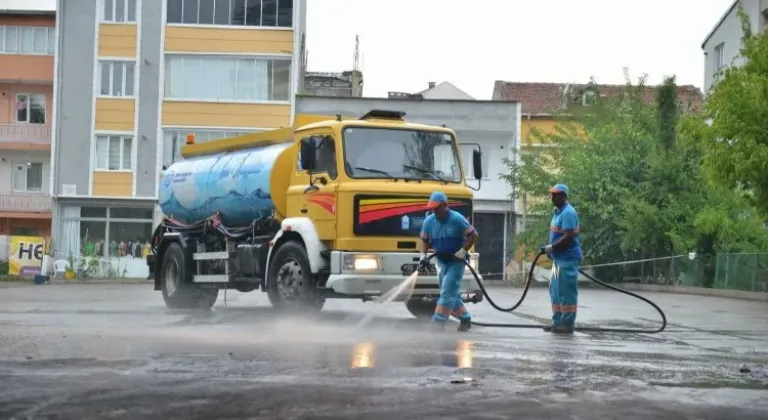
x: 548, y: 98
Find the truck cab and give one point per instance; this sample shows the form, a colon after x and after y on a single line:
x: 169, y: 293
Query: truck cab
x: 349, y: 200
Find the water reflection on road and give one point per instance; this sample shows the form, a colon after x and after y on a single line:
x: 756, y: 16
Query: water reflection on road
x: 458, y: 353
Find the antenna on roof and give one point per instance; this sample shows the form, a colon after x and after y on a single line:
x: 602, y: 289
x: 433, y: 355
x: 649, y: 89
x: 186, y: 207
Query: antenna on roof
x: 356, y: 59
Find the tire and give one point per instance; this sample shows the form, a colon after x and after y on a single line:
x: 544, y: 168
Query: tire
x: 177, y: 292
x: 420, y: 309
x: 289, y: 265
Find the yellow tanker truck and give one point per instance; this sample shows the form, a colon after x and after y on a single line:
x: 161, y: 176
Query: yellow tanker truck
x: 328, y: 208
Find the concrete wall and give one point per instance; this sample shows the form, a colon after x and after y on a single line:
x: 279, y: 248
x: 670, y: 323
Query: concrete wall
x: 729, y: 34
x: 74, y: 101
x: 150, y: 60
x: 493, y: 125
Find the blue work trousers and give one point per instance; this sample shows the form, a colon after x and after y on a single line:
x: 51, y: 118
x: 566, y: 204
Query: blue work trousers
x: 450, y: 302
x: 564, y: 292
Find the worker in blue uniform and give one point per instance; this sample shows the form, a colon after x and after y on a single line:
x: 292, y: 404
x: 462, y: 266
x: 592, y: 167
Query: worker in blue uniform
x: 564, y: 250
x: 451, y: 236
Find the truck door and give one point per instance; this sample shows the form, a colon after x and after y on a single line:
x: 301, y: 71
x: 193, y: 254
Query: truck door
x: 313, y: 193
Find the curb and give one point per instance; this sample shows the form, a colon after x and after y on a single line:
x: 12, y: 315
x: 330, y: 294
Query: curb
x: 700, y: 291
x: 60, y: 282
x: 636, y: 287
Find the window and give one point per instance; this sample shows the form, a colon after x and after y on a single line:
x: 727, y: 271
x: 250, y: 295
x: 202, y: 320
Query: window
x: 325, y: 155
x: 114, y: 240
x: 114, y: 153
x: 30, y: 108
x: 269, y: 13
x: 24, y: 231
x: 466, y: 161
x: 212, y: 78
x: 28, y: 177
x: 402, y: 154
x: 174, y: 139
x: 27, y: 40
x: 122, y: 11
x: 719, y: 58
x: 116, y: 78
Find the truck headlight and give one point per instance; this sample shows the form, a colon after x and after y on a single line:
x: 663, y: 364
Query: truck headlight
x: 361, y: 263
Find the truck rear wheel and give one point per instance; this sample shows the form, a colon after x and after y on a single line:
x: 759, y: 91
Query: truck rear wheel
x: 420, y: 309
x: 291, y: 283
x: 177, y: 292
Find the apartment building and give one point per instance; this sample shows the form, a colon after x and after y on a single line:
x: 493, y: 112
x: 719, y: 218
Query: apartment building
x: 133, y: 78
x: 722, y: 45
x: 27, y: 47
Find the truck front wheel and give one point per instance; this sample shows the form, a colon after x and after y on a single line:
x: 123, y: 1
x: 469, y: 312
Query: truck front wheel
x: 177, y: 292
x: 420, y: 309
x: 291, y: 284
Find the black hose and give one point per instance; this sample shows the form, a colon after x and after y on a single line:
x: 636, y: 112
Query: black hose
x: 525, y: 292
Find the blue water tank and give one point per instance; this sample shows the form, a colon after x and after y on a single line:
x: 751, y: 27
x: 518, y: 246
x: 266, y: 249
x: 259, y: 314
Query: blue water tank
x: 235, y: 184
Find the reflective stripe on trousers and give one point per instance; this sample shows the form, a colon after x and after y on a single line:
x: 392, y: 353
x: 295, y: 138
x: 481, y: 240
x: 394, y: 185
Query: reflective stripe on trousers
x: 450, y: 302
x: 564, y: 292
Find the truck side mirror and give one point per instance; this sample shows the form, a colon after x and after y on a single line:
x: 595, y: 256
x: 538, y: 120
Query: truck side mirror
x: 308, y: 153
x: 477, y: 160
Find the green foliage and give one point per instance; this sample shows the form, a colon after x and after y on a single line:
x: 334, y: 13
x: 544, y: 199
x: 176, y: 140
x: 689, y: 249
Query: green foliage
x: 635, y: 174
x: 736, y: 143
x: 3, y: 268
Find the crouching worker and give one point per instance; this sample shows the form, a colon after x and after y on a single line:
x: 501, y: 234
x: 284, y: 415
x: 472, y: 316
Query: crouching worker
x: 564, y: 250
x: 451, y: 236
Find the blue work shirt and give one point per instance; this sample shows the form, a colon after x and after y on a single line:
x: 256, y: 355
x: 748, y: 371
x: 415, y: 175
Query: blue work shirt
x: 564, y: 219
x: 446, y: 236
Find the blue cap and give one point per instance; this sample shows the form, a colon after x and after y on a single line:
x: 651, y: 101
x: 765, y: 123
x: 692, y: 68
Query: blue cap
x: 436, y: 199
x: 559, y: 188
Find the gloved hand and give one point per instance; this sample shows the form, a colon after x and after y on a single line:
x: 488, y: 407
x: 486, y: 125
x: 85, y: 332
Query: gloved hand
x: 423, y: 262
x: 461, y: 254
x: 547, y: 250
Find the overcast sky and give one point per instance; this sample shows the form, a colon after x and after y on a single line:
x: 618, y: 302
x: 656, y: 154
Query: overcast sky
x: 407, y: 43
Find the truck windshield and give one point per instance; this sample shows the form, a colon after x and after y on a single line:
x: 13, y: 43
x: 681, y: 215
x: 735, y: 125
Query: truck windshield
x: 401, y: 154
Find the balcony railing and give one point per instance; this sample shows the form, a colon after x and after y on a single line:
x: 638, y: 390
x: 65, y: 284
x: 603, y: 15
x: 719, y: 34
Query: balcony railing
x: 26, y: 203
x: 36, y: 134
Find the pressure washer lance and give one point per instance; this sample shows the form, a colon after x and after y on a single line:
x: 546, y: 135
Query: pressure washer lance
x: 525, y: 293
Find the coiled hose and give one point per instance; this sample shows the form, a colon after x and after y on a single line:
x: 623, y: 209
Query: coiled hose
x: 525, y: 293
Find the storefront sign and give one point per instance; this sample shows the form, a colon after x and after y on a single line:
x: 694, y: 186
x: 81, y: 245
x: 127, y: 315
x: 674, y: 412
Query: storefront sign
x: 26, y: 255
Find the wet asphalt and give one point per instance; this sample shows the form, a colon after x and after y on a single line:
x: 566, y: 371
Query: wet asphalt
x: 115, y: 351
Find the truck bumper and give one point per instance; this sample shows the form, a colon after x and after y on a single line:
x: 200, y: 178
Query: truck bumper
x: 375, y: 274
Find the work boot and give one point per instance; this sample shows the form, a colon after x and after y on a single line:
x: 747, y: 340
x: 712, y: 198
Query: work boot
x: 562, y: 329
x: 464, y: 325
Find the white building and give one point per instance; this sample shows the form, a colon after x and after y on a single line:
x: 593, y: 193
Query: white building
x: 444, y: 90
x: 722, y: 44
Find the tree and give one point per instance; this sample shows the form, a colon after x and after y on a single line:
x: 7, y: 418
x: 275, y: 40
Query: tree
x: 736, y: 143
x: 635, y: 174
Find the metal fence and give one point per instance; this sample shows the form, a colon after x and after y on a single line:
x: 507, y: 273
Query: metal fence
x: 742, y: 272
x: 727, y: 271
x: 679, y: 270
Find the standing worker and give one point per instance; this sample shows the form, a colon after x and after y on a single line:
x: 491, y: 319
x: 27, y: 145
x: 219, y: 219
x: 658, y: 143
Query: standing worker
x: 451, y: 236
x: 565, y: 252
